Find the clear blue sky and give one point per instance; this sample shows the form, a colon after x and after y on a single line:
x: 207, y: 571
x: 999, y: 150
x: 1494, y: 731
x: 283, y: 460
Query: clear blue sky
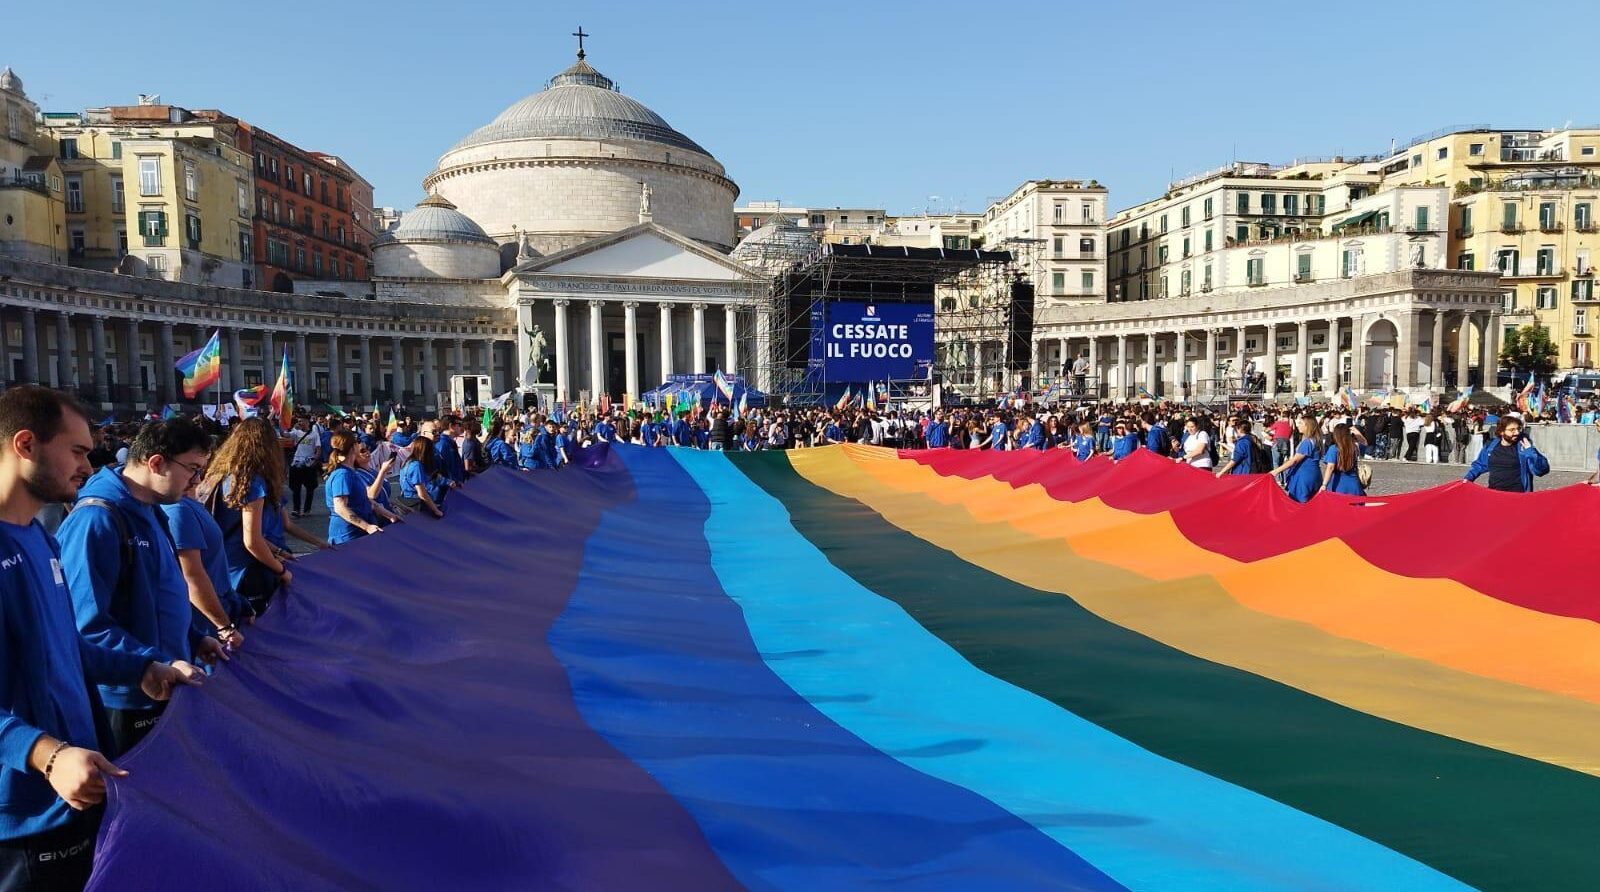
x: 878, y: 104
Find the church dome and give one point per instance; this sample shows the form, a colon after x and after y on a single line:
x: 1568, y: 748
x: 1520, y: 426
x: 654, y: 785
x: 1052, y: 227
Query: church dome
x: 435, y: 219
x: 574, y: 161
x: 776, y: 245
x: 10, y: 81
x: 435, y: 241
x: 579, y: 103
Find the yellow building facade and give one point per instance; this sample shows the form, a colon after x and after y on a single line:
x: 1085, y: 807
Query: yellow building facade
x: 32, y: 201
x: 1524, y: 204
x: 168, y: 199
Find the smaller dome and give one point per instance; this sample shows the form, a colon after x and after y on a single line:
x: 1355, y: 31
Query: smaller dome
x: 776, y: 245
x: 10, y: 81
x: 435, y: 219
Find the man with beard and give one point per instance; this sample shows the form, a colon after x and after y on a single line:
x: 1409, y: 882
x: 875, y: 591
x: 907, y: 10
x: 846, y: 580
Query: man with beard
x: 53, y: 776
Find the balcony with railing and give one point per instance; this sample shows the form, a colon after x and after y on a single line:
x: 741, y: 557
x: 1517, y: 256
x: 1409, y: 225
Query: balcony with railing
x: 1510, y: 227
x: 1551, y: 226
x: 31, y: 184
x: 1522, y: 270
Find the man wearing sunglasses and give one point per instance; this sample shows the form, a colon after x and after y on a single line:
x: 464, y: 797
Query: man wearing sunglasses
x: 128, y: 590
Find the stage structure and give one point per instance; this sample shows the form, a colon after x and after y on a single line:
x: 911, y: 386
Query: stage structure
x: 817, y: 291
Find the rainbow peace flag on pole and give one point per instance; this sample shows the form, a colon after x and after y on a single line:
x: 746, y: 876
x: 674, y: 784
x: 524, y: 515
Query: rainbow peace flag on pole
x: 1347, y: 397
x: 724, y: 386
x: 1461, y: 401
x: 203, y: 367
x: 282, y: 399
x: 249, y: 399
x: 845, y: 399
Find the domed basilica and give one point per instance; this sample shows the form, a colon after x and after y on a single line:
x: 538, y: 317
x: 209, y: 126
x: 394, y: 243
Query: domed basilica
x: 606, y: 231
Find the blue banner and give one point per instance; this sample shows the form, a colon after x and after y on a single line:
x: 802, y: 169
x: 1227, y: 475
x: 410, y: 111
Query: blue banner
x: 873, y: 341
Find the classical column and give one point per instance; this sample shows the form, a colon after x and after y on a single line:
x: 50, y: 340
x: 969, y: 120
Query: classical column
x: 269, y: 360
x: 335, y: 373
x: 1405, y: 365
x: 563, y: 354
x: 630, y: 349
x: 699, y: 339
x: 1094, y: 364
x: 1436, y: 369
x: 430, y: 375
x: 597, y: 366
x: 1122, y: 365
x: 97, y: 348
x: 1463, y: 351
x: 763, y: 342
x: 1211, y: 361
x: 302, y: 367
x: 397, y: 361
x: 1150, y: 364
x: 665, y: 309
x: 730, y: 337
x: 130, y: 361
x: 234, y: 361
x: 167, y: 373
x: 64, y: 351
x: 1302, y: 372
x: 1331, y: 372
x: 30, y: 346
x: 368, y: 391
x: 459, y: 357
x: 489, y: 362
x: 1239, y: 355
x: 1272, y: 361
x: 1491, y: 351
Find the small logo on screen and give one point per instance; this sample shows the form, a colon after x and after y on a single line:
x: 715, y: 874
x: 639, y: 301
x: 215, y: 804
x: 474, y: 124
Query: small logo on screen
x: 872, y: 310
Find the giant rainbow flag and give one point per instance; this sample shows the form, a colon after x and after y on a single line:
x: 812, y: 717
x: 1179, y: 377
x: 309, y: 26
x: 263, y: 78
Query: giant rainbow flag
x: 849, y: 668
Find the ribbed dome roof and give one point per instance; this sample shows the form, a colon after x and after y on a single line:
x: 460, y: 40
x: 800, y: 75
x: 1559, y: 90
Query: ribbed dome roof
x: 435, y: 219
x: 776, y: 245
x: 579, y: 103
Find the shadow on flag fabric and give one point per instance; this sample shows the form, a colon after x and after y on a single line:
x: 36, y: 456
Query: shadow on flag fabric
x: 282, y: 400
x: 202, y: 367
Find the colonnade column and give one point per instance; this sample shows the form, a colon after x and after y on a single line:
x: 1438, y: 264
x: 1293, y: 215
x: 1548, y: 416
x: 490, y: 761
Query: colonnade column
x: 597, y: 368
x: 1239, y: 354
x: 369, y: 383
x: 1491, y: 351
x: 1094, y: 363
x: 1436, y: 370
x: 269, y: 360
x: 1463, y: 351
x: 167, y: 372
x: 430, y: 374
x: 335, y: 373
x: 1122, y: 365
x: 699, y: 339
x: 1211, y: 361
x: 1150, y: 364
x: 630, y: 349
x: 302, y: 367
x: 1271, y: 390
x: 130, y: 362
x: 1331, y: 372
x: 97, y: 349
x: 563, y: 358
x: 30, y: 346
x: 397, y: 369
x: 1405, y: 354
x: 234, y: 361
x: 1303, y: 370
x: 458, y: 357
x: 64, y: 350
x: 665, y: 309
x: 730, y: 337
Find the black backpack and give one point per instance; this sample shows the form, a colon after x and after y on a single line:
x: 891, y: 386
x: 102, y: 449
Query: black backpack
x: 1260, y: 457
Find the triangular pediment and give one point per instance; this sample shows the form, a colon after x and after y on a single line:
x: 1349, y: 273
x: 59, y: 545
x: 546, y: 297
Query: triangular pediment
x: 644, y: 251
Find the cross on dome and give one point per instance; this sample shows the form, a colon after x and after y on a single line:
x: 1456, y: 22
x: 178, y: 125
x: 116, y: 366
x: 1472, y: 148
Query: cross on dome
x: 580, y: 35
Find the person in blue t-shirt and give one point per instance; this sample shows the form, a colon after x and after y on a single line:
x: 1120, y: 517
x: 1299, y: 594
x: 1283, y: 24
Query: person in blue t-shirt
x: 538, y: 450
x: 938, y: 431
x: 1304, y: 465
x: 52, y: 767
x: 245, y: 489
x: 1341, y: 463
x: 127, y: 588
x: 997, y: 434
x: 447, y: 452
x: 1155, y: 434
x: 216, y: 609
x: 1083, y: 443
x: 497, y: 449
x: 681, y: 435
x: 1123, y: 441
x: 419, y: 481
x: 1243, y: 454
x: 350, y: 512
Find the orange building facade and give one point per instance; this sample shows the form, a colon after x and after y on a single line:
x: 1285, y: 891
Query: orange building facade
x: 306, y: 217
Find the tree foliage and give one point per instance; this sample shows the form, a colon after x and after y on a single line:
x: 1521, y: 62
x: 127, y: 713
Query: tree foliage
x: 1529, y: 349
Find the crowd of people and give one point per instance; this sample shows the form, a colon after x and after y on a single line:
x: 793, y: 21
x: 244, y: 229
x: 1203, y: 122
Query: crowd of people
x: 133, y: 556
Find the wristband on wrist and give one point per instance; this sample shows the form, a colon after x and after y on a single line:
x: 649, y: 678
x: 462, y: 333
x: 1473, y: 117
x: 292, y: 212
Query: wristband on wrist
x: 230, y: 627
x: 50, y: 763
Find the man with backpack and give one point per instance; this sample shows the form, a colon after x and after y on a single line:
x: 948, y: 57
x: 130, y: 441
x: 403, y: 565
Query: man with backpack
x: 119, y: 562
x: 1155, y: 435
x: 1250, y: 455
